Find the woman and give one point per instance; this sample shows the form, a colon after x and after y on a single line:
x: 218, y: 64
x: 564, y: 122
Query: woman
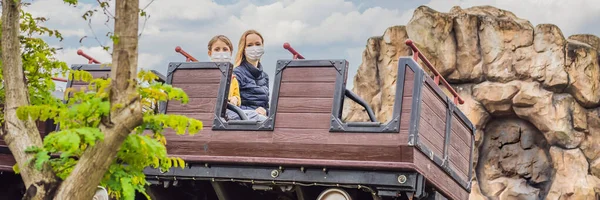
x: 254, y: 82
x: 220, y: 50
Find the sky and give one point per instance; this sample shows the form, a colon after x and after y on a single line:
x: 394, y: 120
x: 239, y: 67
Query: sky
x: 318, y: 29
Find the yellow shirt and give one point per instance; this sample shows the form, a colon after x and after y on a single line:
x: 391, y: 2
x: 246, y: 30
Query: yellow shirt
x: 234, y: 90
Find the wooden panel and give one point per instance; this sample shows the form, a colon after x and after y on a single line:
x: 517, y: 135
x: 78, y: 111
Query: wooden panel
x: 186, y: 76
x: 309, y: 74
x: 458, y: 164
x: 6, y: 162
x: 206, y: 118
x: 304, y: 105
x: 303, y: 120
x: 366, y: 152
x: 461, y: 130
x: 461, y: 147
x: 311, y: 90
x: 438, y: 177
x: 205, y: 90
x: 195, y: 105
x: 409, y: 78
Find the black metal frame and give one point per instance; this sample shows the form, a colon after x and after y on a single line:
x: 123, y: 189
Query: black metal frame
x: 401, y: 181
x: 337, y: 125
x: 421, y: 80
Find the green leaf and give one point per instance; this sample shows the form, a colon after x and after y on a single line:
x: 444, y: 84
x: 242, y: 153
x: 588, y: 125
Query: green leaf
x: 40, y: 158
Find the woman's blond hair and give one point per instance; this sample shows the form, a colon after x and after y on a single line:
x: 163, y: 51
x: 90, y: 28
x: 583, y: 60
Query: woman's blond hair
x: 221, y: 38
x: 239, y: 57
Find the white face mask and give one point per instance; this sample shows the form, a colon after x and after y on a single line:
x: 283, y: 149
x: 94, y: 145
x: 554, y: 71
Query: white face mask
x: 222, y: 56
x: 254, y: 53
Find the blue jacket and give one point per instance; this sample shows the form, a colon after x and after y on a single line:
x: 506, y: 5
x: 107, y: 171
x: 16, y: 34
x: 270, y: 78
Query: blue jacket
x: 254, y: 86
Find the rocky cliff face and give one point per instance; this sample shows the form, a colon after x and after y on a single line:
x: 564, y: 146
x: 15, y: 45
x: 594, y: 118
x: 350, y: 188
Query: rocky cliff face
x: 533, y: 94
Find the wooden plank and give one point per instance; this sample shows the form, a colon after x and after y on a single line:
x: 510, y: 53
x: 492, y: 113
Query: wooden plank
x: 310, y: 90
x: 291, y: 150
x: 195, y: 105
x: 309, y: 74
x: 206, y: 118
x: 461, y: 163
x: 437, y: 123
x: 409, y: 79
x: 6, y: 162
x: 434, y: 102
x: 204, y: 90
x: 303, y: 120
x: 435, y: 142
x: 323, y: 136
x: 460, y: 146
x: 461, y: 131
x: 197, y: 76
x: 304, y: 105
x: 442, y: 181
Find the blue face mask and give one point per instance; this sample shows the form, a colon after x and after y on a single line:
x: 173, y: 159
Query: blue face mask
x: 222, y: 56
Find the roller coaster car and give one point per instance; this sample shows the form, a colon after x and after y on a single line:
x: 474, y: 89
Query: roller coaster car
x: 426, y: 148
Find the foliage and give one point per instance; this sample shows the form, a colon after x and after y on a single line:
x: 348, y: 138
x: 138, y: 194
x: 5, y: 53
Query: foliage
x: 84, y: 112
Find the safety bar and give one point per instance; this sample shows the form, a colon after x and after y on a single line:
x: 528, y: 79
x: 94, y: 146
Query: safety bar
x: 237, y: 110
x: 362, y: 102
x: 437, y: 76
x: 347, y: 93
x: 291, y: 50
x: 90, y: 59
x: 188, y: 57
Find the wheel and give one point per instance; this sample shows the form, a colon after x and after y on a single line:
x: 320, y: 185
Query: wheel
x: 334, y: 194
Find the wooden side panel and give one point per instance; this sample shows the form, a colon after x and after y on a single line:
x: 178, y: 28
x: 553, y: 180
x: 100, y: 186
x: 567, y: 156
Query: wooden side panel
x: 438, y: 177
x: 433, y: 121
x: 202, y: 87
x: 407, y: 98
x: 6, y: 162
x: 460, y: 148
x: 309, y: 104
x: 301, y: 125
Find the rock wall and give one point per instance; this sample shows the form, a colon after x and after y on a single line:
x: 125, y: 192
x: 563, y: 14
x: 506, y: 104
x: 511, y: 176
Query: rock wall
x: 533, y: 94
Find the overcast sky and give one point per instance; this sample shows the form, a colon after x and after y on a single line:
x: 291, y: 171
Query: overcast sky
x: 318, y: 29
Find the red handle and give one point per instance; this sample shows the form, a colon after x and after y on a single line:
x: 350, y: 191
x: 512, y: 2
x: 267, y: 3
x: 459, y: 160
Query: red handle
x: 437, y: 75
x: 291, y: 50
x: 90, y: 59
x: 188, y: 57
x: 59, y: 79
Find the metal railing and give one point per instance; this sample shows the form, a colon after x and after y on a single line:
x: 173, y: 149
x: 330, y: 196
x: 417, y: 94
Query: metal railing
x: 437, y: 76
x: 188, y: 57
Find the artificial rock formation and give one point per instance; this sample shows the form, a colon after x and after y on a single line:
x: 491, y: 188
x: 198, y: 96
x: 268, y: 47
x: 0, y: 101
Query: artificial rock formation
x: 533, y: 95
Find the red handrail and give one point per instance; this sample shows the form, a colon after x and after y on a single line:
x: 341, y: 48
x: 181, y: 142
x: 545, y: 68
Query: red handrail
x: 188, y: 57
x: 291, y: 50
x: 437, y: 75
x: 90, y: 59
x: 59, y: 79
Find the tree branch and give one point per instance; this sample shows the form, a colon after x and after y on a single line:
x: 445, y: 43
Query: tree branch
x: 20, y: 134
x: 126, y: 109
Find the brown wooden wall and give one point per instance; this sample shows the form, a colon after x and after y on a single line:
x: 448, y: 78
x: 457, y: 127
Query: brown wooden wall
x: 201, y: 86
x: 444, y: 141
x: 301, y: 127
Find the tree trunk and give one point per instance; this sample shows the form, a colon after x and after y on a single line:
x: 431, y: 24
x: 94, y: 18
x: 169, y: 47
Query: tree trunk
x: 20, y: 134
x: 126, y: 109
